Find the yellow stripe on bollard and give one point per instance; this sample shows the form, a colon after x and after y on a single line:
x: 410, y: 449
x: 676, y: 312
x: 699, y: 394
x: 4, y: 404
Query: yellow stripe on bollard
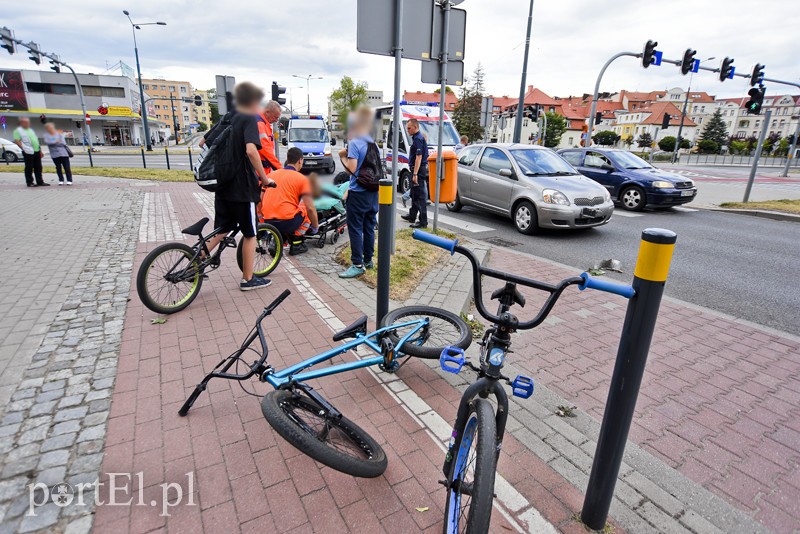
x: 385, y: 195
x: 653, y: 261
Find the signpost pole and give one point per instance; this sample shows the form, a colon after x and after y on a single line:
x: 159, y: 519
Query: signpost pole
x: 792, y: 149
x: 521, y: 104
x: 757, y: 155
x: 442, y: 100
x: 396, y: 116
x: 83, y: 107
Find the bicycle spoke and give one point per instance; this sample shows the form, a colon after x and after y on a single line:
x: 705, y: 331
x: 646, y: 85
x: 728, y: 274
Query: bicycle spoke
x: 325, y: 429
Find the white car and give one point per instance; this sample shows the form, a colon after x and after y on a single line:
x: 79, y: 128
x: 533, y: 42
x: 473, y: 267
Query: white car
x: 10, y: 152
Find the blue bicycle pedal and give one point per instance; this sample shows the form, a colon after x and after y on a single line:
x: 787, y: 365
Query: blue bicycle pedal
x: 452, y: 359
x: 522, y: 387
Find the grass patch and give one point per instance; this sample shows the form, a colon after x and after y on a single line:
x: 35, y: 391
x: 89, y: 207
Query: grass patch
x: 411, y: 262
x: 784, y: 205
x: 162, y: 175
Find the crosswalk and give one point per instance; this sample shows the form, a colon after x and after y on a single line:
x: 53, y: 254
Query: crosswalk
x: 159, y: 221
x: 461, y: 224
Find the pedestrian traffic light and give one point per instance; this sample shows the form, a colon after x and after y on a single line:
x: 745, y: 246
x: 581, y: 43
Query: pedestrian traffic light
x: 598, y: 117
x: 756, y: 99
x: 726, y: 70
x: 7, y: 38
x: 277, y: 91
x: 758, y: 75
x: 35, y: 54
x: 55, y: 63
x: 43, y: 118
x: 198, y: 100
x: 665, y: 121
x: 687, y: 65
x: 651, y: 56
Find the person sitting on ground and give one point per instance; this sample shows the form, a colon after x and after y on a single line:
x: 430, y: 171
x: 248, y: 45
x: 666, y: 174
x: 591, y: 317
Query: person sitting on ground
x: 290, y: 206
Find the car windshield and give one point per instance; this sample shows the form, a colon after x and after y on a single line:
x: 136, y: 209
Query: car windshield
x: 430, y: 129
x: 626, y: 160
x: 534, y: 162
x: 308, y: 135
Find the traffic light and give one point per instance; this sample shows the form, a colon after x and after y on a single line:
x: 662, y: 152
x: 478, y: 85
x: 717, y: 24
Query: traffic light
x: 687, y: 65
x: 665, y: 121
x: 598, y: 117
x: 36, y: 55
x: 277, y: 91
x: 43, y: 118
x: 198, y: 100
x: 7, y: 37
x: 55, y: 63
x: 758, y: 75
x: 531, y: 112
x: 651, y: 56
x: 756, y: 99
x: 726, y: 70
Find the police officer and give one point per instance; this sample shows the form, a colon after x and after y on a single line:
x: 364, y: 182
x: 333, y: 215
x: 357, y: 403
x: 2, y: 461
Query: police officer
x: 418, y: 162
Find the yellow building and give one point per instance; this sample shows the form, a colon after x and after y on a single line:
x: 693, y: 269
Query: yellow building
x: 176, y: 112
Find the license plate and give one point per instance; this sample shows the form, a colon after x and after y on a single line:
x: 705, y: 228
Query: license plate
x: 309, y: 162
x: 687, y: 193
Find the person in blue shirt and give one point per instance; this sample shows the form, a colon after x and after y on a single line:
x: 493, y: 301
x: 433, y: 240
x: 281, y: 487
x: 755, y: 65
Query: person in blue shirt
x: 418, y: 162
x: 362, y: 205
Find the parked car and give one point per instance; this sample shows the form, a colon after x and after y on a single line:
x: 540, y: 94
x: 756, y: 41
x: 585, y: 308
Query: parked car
x: 630, y: 179
x: 530, y: 184
x: 9, y: 151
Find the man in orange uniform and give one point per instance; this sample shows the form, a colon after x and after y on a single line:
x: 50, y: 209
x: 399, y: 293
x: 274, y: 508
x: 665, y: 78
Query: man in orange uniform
x: 270, y: 114
x: 289, y: 207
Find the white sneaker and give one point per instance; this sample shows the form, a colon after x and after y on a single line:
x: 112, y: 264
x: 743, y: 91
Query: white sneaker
x: 69, y: 183
x: 60, y: 183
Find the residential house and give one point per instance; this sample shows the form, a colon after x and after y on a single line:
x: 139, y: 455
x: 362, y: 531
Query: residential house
x: 631, y: 124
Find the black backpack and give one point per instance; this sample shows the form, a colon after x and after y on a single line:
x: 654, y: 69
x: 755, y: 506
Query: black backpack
x: 219, y: 164
x: 371, y: 171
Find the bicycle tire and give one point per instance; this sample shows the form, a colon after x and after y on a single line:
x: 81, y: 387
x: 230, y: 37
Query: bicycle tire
x: 481, y: 420
x: 460, y: 336
x: 285, y: 411
x: 145, y: 270
x: 272, y: 247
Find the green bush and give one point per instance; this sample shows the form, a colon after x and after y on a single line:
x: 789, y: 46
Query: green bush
x: 707, y: 146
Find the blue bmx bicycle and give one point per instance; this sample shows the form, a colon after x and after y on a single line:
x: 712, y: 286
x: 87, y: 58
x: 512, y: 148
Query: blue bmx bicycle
x: 302, y: 416
x: 471, y: 461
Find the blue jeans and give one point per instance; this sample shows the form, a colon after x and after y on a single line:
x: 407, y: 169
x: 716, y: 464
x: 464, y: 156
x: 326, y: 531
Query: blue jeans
x: 362, y: 207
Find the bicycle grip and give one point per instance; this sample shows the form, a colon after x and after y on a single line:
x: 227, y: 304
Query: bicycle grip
x: 435, y: 240
x: 277, y: 302
x: 606, y: 285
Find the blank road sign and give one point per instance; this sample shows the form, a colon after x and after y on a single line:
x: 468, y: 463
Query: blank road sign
x: 375, y: 28
x: 456, y: 39
x: 455, y: 72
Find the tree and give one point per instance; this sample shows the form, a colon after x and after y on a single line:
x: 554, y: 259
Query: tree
x: 447, y: 89
x: 467, y: 113
x: 556, y: 126
x: 783, y: 147
x: 737, y: 146
x: 715, y: 130
x: 214, y: 108
x: 202, y: 127
x: 348, y: 97
x: 645, y: 140
x: 770, y: 143
x: 667, y: 144
x: 707, y: 146
x: 605, y: 138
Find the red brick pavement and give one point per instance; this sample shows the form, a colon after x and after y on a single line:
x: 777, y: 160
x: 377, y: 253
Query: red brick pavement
x: 246, y: 478
x: 720, y: 400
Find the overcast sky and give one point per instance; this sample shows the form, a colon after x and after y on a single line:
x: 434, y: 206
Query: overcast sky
x: 267, y: 40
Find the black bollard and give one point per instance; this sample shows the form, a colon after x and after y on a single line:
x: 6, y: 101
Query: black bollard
x: 166, y: 153
x: 144, y: 162
x: 649, y: 278
x: 191, y: 164
x: 385, y: 201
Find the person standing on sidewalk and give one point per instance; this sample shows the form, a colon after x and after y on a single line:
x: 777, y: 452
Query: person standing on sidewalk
x: 362, y: 205
x: 26, y: 139
x: 59, y: 152
x: 418, y: 162
x: 270, y: 114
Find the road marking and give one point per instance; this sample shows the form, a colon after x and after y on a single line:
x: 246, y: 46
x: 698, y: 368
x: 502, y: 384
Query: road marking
x: 159, y: 221
x: 626, y: 214
x: 437, y: 428
x: 681, y: 208
x: 207, y: 201
x: 452, y: 221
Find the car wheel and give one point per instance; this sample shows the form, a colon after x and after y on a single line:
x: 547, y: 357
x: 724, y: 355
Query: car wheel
x: 456, y: 205
x: 11, y: 157
x: 632, y: 198
x: 331, y: 169
x: 525, y: 219
x: 404, y: 183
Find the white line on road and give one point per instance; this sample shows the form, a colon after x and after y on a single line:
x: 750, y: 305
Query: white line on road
x: 681, y: 208
x: 452, y: 221
x: 626, y: 214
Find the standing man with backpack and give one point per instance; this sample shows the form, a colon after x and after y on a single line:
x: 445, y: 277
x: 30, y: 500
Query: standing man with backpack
x: 363, y: 163
x: 234, y: 162
x: 418, y: 161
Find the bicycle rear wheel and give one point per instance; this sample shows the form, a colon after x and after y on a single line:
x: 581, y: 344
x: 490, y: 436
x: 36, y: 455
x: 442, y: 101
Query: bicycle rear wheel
x: 269, y: 250
x: 471, y: 480
x: 168, y: 280
x: 334, y: 441
x: 444, y: 329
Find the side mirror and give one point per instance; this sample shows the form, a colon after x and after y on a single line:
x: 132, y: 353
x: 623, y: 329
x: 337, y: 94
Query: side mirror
x: 284, y: 141
x: 607, y: 167
x: 507, y: 173
x: 333, y: 141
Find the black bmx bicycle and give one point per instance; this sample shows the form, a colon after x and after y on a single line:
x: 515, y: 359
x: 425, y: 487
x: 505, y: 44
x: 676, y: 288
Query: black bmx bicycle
x: 475, y: 444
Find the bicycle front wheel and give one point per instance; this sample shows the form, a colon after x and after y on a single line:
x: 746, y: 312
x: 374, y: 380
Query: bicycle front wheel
x: 168, y: 280
x: 334, y: 441
x: 471, y: 480
x: 269, y: 250
x: 444, y: 329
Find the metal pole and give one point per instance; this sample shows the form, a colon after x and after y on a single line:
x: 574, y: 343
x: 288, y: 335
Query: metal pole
x: 757, y: 155
x: 597, y: 92
x: 308, y: 94
x: 276, y: 127
x: 649, y: 278
x: 142, y: 107
x: 166, y: 153
x: 445, y: 5
x: 521, y: 104
x: 144, y: 161
x: 174, y: 117
x: 683, y: 116
x: 396, y: 116
x: 83, y: 108
x: 543, y: 137
x: 653, y: 146
x: 790, y: 155
x: 385, y: 223
x: 191, y: 164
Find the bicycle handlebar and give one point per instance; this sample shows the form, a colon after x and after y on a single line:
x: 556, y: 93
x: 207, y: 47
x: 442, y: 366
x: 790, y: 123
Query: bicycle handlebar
x: 436, y: 240
x: 606, y: 285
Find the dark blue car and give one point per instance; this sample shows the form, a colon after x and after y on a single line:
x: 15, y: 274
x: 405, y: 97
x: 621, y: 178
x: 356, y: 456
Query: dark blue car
x: 630, y: 180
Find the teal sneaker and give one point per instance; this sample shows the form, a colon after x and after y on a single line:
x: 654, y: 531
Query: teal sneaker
x: 352, y: 272
x: 369, y: 265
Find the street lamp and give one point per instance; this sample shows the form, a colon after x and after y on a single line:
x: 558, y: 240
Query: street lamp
x: 683, y: 112
x: 308, y: 79
x: 142, y: 107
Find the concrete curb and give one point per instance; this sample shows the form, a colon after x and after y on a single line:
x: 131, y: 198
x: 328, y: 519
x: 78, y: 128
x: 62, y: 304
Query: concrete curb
x: 766, y: 214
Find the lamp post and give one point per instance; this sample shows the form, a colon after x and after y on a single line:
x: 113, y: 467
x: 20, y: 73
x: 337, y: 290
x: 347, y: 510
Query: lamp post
x: 142, y: 108
x: 683, y: 114
x: 308, y: 79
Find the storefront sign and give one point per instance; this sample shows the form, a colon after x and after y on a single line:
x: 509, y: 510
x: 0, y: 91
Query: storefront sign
x: 123, y: 111
x: 12, y: 91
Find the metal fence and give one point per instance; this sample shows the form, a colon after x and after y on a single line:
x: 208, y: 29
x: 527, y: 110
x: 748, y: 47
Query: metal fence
x: 737, y: 161
x: 182, y: 158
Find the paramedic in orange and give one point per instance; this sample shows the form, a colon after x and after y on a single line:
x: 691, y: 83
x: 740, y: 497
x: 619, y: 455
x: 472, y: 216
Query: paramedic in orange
x: 270, y: 114
x: 290, y: 206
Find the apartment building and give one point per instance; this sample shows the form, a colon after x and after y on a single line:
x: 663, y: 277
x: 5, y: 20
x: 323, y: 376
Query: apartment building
x: 175, y: 112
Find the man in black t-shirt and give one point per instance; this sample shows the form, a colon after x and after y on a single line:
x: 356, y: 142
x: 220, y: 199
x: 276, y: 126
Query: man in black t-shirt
x: 235, y: 204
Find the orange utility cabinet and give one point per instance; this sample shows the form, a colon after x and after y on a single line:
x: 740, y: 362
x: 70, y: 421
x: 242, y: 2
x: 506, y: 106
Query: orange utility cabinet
x: 449, y: 186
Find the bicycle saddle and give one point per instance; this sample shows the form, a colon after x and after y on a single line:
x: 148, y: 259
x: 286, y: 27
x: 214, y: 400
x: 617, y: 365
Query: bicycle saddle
x: 358, y: 327
x: 196, y: 228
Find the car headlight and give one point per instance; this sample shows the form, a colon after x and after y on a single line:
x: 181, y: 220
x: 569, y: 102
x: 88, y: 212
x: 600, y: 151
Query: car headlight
x: 552, y: 196
x: 663, y: 184
x: 327, y: 150
x: 606, y: 196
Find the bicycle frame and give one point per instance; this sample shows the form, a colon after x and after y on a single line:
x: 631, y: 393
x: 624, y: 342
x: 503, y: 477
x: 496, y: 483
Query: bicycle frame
x: 199, y: 248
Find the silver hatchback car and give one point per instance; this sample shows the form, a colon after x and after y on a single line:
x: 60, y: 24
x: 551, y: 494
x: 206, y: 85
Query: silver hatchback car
x: 530, y: 184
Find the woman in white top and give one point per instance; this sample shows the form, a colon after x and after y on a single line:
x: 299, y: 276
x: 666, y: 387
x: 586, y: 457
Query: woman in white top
x: 59, y: 152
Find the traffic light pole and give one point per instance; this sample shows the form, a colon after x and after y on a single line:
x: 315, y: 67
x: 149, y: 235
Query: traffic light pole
x: 521, y: 104
x: 442, y: 99
x: 757, y: 155
x: 683, y: 117
x: 597, y: 91
x: 792, y: 150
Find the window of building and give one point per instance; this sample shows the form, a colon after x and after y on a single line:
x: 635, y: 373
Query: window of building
x: 758, y: 123
x: 163, y: 87
x: 144, y: 86
x: 51, y: 88
x: 185, y: 108
x: 96, y: 90
x: 186, y: 118
x: 172, y: 88
x: 183, y: 89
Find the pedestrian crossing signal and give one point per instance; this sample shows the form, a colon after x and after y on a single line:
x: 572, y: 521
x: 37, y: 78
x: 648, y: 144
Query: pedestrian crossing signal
x: 756, y: 99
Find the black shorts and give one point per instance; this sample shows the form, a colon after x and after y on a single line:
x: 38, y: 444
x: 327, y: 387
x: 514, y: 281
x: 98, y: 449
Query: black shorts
x: 231, y: 215
x: 287, y: 227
